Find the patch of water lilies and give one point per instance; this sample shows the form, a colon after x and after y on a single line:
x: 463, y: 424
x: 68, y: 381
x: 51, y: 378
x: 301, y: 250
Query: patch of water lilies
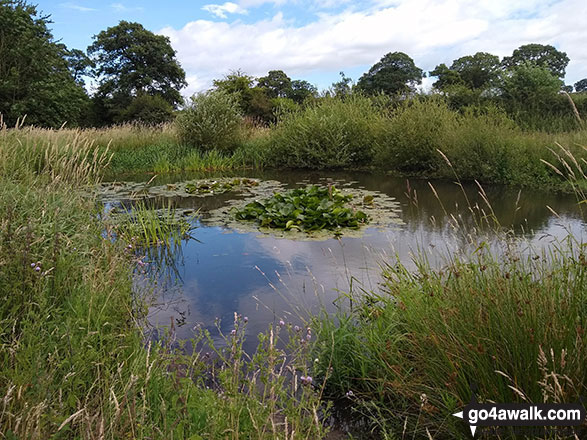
x: 117, y: 191
x: 309, y: 213
x: 311, y: 208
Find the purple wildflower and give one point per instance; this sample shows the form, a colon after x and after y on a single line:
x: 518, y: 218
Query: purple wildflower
x: 281, y: 323
x: 246, y: 319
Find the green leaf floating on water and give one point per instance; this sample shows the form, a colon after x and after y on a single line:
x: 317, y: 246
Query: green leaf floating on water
x: 311, y: 208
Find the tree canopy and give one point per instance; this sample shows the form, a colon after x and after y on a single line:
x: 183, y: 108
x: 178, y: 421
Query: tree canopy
x: 277, y: 84
x: 539, y: 55
x: 581, y: 85
x: 35, y: 79
x: 131, y: 61
x: 394, y: 74
x: 476, y: 72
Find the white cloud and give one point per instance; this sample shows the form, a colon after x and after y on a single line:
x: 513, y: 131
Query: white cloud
x: 226, y: 8
x: 429, y: 31
x: 77, y: 7
x: 122, y: 8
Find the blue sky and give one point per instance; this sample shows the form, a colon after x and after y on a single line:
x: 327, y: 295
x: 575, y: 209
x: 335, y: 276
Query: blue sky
x: 315, y: 40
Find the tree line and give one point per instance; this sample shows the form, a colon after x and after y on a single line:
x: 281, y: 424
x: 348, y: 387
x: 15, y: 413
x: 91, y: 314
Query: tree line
x: 136, y: 77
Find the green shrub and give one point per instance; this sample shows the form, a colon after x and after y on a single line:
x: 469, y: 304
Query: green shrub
x: 482, y: 145
x: 211, y: 121
x: 332, y: 133
x: 147, y: 109
x: 417, y: 129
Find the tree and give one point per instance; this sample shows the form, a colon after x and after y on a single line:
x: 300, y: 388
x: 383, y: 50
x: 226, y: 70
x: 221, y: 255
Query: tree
x: 34, y: 77
x: 131, y: 61
x: 147, y: 109
x: 447, y: 78
x: 79, y: 64
x: 341, y: 88
x: 394, y: 74
x: 277, y: 84
x: 301, y: 90
x: 252, y: 101
x: 477, y: 71
x: 539, y: 55
x: 581, y: 85
x: 530, y: 88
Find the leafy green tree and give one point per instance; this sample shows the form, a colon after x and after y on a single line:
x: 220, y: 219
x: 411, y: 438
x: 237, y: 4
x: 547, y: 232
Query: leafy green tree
x: 253, y: 101
x: 302, y: 90
x: 539, y: 55
x: 277, y: 84
x: 581, y: 85
x: 341, y: 88
x: 34, y: 76
x: 79, y: 64
x: 131, y: 61
x: 477, y: 71
x: 530, y: 88
x: 147, y: 109
x: 394, y: 74
x: 447, y: 78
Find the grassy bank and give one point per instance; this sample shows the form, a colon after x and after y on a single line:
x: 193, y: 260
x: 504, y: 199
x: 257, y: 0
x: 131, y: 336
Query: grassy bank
x: 507, y: 322
x: 481, y: 143
x: 73, y: 359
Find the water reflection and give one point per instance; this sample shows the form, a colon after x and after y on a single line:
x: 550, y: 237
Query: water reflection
x: 267, y: 278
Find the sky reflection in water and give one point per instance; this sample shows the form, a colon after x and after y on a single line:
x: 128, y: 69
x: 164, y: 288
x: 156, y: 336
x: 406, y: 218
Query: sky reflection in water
x: 268, y: 279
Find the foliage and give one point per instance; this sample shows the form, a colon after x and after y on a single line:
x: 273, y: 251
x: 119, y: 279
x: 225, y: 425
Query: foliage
x: 581, y: 85
x: 477, y: 71
x: 330, y: 133
x: 276, y: 84
x: 254, y: 102
x: 446, y: 77
x: 34, y: 76
x: 302, y: 90
x: 342, y: 88
x: 394, y: 74
x: 529, y: 88
x: 311, y: 208
x: 131, y: 61
x: 539, y: 55
x: 79, y: 64
x: 211, y: 121
x: 416, y: 131
x: 148, y: 110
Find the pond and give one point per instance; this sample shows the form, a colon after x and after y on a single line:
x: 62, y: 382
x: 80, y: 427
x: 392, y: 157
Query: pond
x: 268, y: 277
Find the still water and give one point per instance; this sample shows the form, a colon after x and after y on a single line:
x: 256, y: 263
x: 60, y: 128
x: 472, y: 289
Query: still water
x: 265, y: 278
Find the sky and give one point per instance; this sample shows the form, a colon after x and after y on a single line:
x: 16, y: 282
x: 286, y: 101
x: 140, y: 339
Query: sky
x: 316, y: 40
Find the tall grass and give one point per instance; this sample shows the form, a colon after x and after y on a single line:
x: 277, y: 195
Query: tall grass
x: 74, y: 363
x: 508, y: 321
